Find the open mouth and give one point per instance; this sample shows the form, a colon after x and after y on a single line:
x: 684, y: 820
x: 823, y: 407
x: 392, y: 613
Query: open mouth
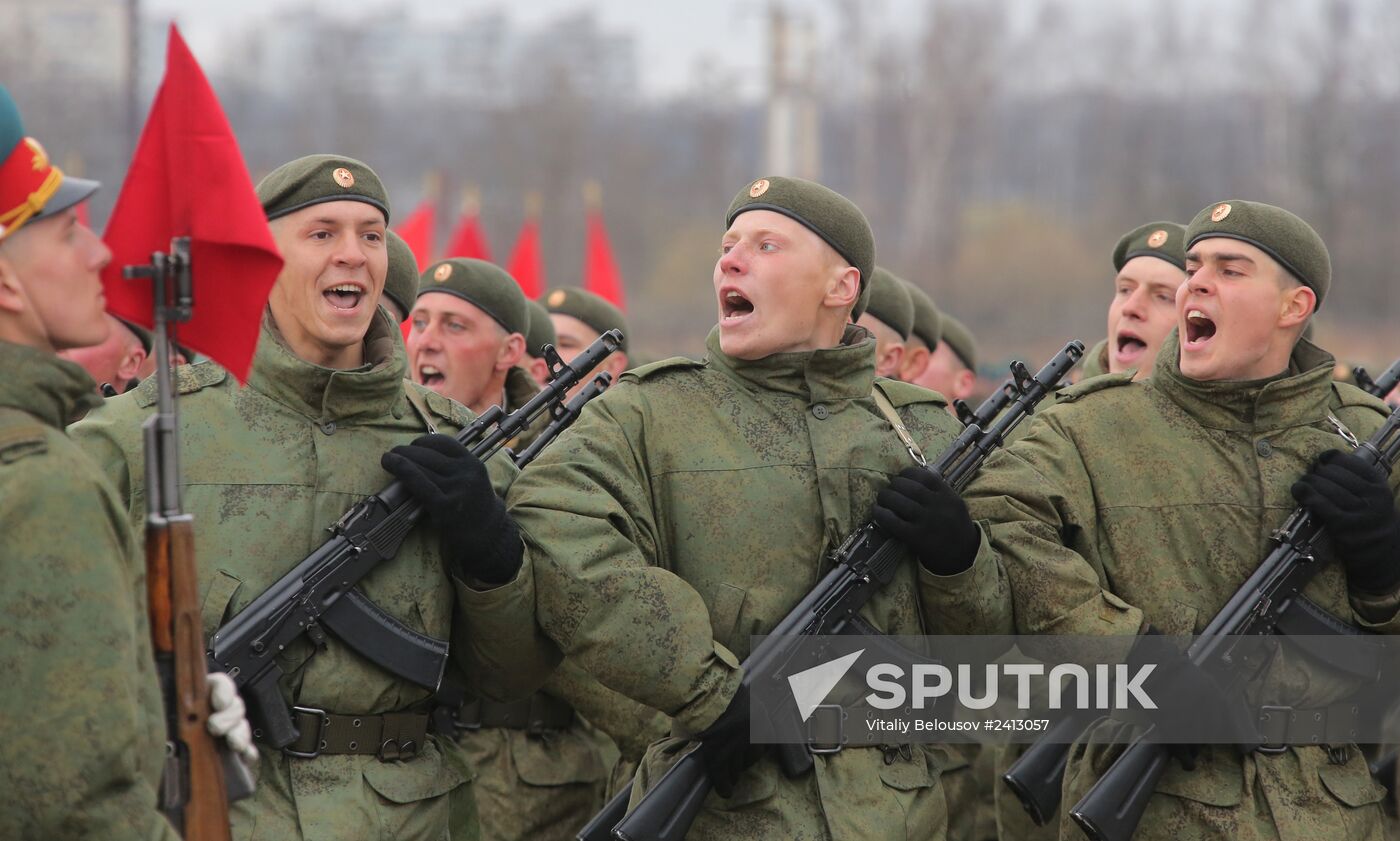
x: 1199, y: 328
x: 734, y: 306
x: 344, y: 296
x: 1130, y: 346
x: 430, y: 376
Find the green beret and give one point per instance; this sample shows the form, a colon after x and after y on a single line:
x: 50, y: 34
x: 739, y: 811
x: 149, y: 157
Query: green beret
x: 1163, y: 240
x: 541, y: 330
x: 890, y: 302
x: 484, y: 285
x: 401, y: 283
x: 1273, y: 230
x: 593, y: 310
x: 927, y: 321
x: 144, y: 336
x: 320, y: 178
x: 957, y: 337
x: 825, y: 212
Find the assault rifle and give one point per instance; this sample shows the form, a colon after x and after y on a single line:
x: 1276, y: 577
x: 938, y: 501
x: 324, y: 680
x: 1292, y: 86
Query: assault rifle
x: 863, y: 564
x: 1382, y: 386
x: 201, y: 775
x: 321, y: 589
x: 1111, y: 809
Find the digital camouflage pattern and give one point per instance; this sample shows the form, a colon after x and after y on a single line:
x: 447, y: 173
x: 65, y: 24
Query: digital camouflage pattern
x: 1095, y: 362
x: 968, y: 783
x: 691, y: 506
x: 82, y: 732
x: 1152, y: 502
x: 520, y: 389
x: 545, y: 787
x: 266, y: 468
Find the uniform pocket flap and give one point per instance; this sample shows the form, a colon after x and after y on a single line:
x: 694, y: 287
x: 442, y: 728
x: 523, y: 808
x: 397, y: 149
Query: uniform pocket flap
x: 908, y: 774
x: 1351, y: 783
x: 420, y: 778
x: 1218, y: 779
x: 559, y: 759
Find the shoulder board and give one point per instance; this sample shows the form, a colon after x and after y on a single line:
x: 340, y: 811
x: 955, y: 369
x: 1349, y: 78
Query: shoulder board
x: 1093, y: 384
x: 444, y: 407
x: 189, y: 379
x: 20, y: 435
x: 902, y: 394
x: 1346, y: 394
x: 641, y: 372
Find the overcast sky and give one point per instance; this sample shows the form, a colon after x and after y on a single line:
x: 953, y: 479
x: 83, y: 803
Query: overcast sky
x: 671, y: 36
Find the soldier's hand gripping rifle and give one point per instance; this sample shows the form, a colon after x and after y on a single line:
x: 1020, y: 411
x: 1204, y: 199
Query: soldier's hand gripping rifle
x: 1111, y: 809
x: 863, y: 564
x: 321, y: 589
x: 1381, y: 386
x: 201, y: 773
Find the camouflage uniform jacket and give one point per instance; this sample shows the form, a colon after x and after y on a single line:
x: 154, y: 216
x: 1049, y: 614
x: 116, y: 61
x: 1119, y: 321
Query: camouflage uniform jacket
x: 1095, y: 361
x: 693, y: 505
x: 82, y: 733
x: 1151, y: 503
x: 520, y: 388
x: 266, y: 468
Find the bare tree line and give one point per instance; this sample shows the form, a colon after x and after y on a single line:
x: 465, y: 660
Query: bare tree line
x: 999, y: 150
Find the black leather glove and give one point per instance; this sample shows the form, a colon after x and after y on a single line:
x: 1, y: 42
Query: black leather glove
x: 725, y: 749
x: 479, y: 539
x: 1178, y: 688
x: 921, y: 511
x: 1353, y: 501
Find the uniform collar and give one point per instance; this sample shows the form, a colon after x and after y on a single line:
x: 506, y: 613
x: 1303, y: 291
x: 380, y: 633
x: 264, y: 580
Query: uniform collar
x: 520, y: 388
x: 1300, y: 395
x: 837, y: 373
x: 53, y: 390
x: 371, y: 390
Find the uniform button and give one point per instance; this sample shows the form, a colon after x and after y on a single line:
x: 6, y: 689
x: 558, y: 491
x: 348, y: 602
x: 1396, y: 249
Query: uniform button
x: 328, y: 427
x: 1264, y: 448
x: 821, y: 412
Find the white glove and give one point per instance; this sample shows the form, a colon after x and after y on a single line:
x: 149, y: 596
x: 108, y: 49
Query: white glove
x: 228, y: 718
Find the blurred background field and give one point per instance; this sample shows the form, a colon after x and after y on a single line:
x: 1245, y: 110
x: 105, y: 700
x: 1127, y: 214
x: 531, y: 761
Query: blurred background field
x: 999, y: 148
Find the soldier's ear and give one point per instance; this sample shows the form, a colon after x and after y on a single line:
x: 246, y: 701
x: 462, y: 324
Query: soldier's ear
x: 12, y: 295
x: 512, y: 351
x: 1297, y: 305
x: 844, y: 288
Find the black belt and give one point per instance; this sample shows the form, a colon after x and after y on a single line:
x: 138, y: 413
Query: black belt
x: 1280, y: 727
x: 390, y: 736
x: 536, y: 714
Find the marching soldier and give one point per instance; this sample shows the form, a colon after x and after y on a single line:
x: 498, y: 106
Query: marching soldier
x: 579, y: 318
x: 694, y: 503
x: 401, y: 278
x: 1091, y: 533
x: 541, y: 333
x: 116, y: 363
x: 82, y: 728
x: 890, y: 319
x: 1150, y: 262
x: 952, y: 366
x: 325, y: 419
x: 923, y: 336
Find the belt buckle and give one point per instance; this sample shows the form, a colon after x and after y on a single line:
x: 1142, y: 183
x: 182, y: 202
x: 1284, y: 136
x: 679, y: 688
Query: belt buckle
x: 1271, y: 710
x: 825, y: 748
x: 320, y: 728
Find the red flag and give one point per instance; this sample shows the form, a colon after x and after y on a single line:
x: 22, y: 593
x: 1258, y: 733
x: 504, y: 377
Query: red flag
x: 188, y: 178
x: 417, y: 231
x: 600, y: 275
x: 526, y: 265
x: 468, y: 239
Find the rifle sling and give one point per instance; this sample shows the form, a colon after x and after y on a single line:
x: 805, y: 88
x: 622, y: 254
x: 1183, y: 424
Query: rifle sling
x: 887, y: 409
